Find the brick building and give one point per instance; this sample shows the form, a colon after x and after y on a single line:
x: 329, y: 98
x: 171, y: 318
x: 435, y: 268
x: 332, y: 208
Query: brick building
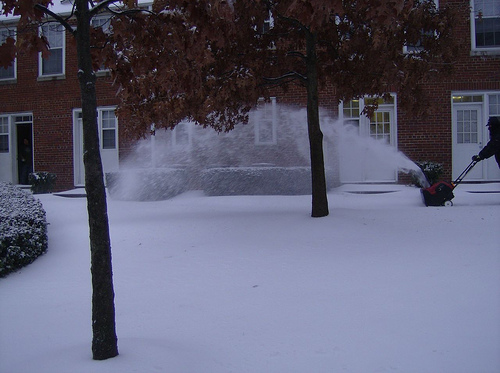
x: 40, y: 111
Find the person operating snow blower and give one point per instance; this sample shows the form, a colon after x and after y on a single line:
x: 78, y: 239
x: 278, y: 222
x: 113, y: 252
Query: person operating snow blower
x: 441, y: 193
x: 493, y: 146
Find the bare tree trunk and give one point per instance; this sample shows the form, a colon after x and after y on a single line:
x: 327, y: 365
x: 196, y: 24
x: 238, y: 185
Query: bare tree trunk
x: 319, y: 197
x: 104, y: 341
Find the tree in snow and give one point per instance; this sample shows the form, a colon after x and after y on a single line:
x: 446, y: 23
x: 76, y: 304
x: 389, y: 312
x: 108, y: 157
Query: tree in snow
x: 214, y: 62
x: 32, y: 13
x: 364, y: 47
x: 181, y: 61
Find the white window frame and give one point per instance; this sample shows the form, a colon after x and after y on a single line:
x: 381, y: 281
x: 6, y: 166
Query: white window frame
x: 5, y: 132
x: 100, y: 120
x: 417, y: 48
x: 493, y: 108
x: 102, y: 21
x: 490, y: 108
x: 493, y: 50
x: 102, y: 129
x: 177, y: 139
x: 63, y: 47
x: 259, y: 119
x: 4, y: 34
x: 362, y: 122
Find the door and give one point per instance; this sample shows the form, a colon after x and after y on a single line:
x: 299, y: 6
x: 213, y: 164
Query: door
x: 468, y: 139
x: 24, y: 148
x: 6, y: 151
x: 16, y: 148
x: 364, y: 146
x: 78, y: 148
x: 381, y: 132
x: 108, y: 142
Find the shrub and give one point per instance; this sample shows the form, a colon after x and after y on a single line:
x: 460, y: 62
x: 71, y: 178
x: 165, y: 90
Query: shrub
x: 431, y: 170
x: 227, y: 181
x: 23, y: 228
x: 42, y: 182
x: 146, y: 185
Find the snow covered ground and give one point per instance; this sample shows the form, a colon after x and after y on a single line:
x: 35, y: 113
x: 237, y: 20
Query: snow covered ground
x: 254, y: 284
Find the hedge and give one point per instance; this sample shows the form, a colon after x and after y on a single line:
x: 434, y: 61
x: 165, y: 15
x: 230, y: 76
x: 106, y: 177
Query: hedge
x: 146, y: 185
x: 23, y: 228
x: 227, y: 181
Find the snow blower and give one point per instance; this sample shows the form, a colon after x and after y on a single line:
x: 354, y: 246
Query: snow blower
x: 441, y: 193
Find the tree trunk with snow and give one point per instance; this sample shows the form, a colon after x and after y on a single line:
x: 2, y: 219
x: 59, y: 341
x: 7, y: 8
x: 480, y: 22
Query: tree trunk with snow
x: 104, y: 341
x: 319, y: 197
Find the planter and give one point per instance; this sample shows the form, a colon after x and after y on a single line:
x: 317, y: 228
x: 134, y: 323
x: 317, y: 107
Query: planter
x: 42, y: 182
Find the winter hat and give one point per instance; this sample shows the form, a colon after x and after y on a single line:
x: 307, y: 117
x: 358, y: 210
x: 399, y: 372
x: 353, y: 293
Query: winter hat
x: 493, y: 122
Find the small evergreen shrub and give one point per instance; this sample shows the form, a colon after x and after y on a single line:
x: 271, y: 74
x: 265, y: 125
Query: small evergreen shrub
x: 23, y: 229
x: 431, y: 170
x: 42, y: 182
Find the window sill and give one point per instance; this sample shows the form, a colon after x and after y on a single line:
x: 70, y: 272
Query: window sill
x: 487, y: 52
x: 103, y: 73
x: 49, y: 78
x: 8, y: 81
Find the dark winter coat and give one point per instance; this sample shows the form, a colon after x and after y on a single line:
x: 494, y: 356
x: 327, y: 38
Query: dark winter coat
x: 492, y: 147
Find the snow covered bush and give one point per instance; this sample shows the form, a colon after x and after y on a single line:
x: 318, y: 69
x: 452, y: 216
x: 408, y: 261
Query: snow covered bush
x: 42, y: 182
x: 23, y: 228
x: 146, y: 185
x: 256, y: 181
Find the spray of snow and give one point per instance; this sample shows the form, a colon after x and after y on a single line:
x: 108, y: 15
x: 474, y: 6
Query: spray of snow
x: 349, y: 156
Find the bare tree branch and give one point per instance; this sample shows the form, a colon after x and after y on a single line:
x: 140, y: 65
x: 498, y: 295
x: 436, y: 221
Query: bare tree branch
x: 297, y: 54
x: 57, y: 18
x: 288, y: 77
x: 101, y: 6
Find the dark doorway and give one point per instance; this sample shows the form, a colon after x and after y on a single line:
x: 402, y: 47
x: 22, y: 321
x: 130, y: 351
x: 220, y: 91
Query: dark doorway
x: 24, y: 152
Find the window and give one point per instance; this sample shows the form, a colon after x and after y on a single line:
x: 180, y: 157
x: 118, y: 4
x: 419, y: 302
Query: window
x: 268, y: 24
x: 108, y: 125
x: 351, y: 112
x: 418, y: 46
x: 467, y: 122
x: 10, y: 72
x: 103, y: 22
x: 108, y: 128
x: 181, y: 135
x: 265, y: 122
x: 54, y: 64
x: 494, y: 105
x: 4, y: 134
x: 485, y: 24
x: 379, y: 125
x: 467, y: 98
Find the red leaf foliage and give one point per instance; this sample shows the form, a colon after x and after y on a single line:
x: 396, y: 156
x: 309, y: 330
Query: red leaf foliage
x: 210, y: 60
x: 27, y: 29
x: 7, y: 53
x: 183, y: 61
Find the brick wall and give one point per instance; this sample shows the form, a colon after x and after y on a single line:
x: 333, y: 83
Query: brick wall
x: 52, y: 102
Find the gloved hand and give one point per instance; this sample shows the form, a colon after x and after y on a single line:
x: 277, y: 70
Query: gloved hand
x: 476, y: 158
